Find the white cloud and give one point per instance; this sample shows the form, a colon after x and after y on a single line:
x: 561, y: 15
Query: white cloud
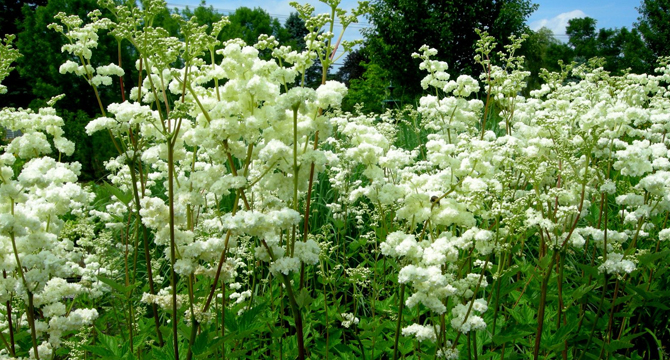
x: 558, y: 23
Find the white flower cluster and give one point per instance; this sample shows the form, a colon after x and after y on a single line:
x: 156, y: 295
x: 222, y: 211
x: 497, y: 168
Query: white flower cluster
x: 448, y: 352
x: 81, y: 38
x: 240, y: 151
x: 420, y: 332
x: 164, y: 299
x: 349, y: 320
x: 37, y: 259
x: 478, y: 192
x: 464, y: 322
x: 617, y: 264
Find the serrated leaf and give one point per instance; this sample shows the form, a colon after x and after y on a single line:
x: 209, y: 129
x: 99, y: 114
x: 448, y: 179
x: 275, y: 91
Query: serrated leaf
x: 589, y: 270
x: 581, y: 291
x: 303, y: 299
x: 650, y: 258
x: 99, y: 350
x: 641, y: 291
x: 618, y: 345
x: 230, y: 320
x: 160, y: 354
x: 658, y: 305
x: 339, y: 224
x: 110, y: 343
x: 200, y: 343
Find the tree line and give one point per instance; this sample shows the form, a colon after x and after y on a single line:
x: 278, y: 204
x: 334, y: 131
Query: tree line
x: 400, y: 27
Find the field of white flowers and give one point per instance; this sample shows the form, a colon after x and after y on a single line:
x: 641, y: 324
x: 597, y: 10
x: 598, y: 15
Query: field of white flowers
x: 247, y: 217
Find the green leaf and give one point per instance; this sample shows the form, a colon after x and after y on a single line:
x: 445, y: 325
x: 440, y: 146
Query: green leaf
x: 618, y: 345
x: 544, y: 262
x: 648, y: 259
x: 160, y: 354
x: 125, y: 198
x: 562, y: 334
x: 110, y: 342
x: 101, y: 351
x: 230, y: 320
x: 658, y: 305
x: 200, y: 343
x: 129, y: 356
x: 581, y: 291
x: 589, y: 270
x: 249, y: 319
x: 641, y: 290
x: 125, y: 290
x: 338, y: 223
x: 512, y: 333
x: 303, y: 299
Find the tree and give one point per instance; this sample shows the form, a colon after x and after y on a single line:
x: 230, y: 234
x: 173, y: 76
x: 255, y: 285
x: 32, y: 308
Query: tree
x: 353, y: 67
x: 369, y: 90
x: 401, y: 27
x: 621, y: 48
x: 11, y: 14
x: 18, y: 93
x: 205, y: 15
x: 543, y: 51
x: 624, y: 49
x: 654, y: 25
x: 582, y: 33
x: 248, y: 24
x: 296, y: 30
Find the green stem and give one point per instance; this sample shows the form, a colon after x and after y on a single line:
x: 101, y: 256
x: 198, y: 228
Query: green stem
x: 541, y: 308
x: 31, y: 322
x: 194, y: 322
x: 401, y: 305
x: 12, y: 348
x: 31, y: 309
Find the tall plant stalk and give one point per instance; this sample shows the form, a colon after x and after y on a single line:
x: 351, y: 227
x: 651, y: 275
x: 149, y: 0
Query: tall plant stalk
x: 30, y: 313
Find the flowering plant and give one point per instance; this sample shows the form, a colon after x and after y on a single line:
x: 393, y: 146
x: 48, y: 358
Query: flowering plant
x: 246, y: 208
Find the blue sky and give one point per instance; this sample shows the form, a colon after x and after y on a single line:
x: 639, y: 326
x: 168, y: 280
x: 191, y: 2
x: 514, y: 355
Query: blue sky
x: 552, y: 13
x: 608, y: 14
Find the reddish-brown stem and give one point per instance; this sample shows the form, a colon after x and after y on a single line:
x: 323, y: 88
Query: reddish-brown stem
x: 222, y: 259
x: 540, y: 311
